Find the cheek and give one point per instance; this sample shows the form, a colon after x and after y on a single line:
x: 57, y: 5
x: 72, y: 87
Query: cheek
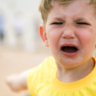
x: 87, y: 39
x: 53, y: 37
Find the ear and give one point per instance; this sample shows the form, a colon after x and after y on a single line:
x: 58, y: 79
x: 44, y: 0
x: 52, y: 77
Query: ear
x: 43, y: 35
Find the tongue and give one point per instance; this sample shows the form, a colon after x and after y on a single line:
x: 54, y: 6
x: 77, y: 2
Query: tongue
x: 69, y: 49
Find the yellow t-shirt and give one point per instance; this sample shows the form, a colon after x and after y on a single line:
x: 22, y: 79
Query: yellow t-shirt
x: 42, y: 81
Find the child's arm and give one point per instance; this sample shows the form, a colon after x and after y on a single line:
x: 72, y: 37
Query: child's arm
x: 18, y: 82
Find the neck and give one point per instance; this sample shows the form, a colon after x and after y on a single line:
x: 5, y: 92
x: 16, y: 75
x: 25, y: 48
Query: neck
x: 74, y: 74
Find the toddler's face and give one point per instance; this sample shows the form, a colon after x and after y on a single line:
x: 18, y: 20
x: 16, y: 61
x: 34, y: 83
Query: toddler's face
x: 70, y: 33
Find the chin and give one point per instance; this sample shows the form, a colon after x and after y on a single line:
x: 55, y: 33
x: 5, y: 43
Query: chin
x: 70, y: 64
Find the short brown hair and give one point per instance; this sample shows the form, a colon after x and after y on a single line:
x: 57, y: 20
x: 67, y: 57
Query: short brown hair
x: 46, y: 6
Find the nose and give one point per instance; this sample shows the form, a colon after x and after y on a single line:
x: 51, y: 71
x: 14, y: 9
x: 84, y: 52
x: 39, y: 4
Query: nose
x: 68, y: 34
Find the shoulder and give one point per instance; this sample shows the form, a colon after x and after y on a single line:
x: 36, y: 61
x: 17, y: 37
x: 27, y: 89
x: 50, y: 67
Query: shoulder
x: 43, y: 69
x: 46, y: 64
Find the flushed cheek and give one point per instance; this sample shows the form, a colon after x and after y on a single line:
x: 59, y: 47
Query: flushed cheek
x: 53, y: 37
x: 86, y: 39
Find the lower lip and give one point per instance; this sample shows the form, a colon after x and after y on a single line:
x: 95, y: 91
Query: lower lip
x: 69, y: 54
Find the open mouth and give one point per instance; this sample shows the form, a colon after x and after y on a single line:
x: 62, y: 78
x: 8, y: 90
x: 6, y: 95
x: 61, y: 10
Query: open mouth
x: 69, y: 49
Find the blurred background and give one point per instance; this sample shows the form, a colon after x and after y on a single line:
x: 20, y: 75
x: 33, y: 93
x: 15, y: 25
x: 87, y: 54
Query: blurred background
x: 21, y: 47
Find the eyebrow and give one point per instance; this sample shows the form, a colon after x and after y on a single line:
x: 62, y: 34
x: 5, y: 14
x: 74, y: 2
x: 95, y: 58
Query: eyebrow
x: 82, y: 18
x: 58, y: 18
x: 78, y: 18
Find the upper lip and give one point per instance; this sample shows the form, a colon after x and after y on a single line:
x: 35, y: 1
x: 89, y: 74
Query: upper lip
x: 69, y: 45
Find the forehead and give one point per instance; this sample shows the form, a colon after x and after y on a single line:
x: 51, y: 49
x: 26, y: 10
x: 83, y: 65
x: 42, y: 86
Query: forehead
x: 77, y: 8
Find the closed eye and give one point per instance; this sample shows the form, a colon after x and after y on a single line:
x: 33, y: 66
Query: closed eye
x: 82, y: 23
x: 58, y: 23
